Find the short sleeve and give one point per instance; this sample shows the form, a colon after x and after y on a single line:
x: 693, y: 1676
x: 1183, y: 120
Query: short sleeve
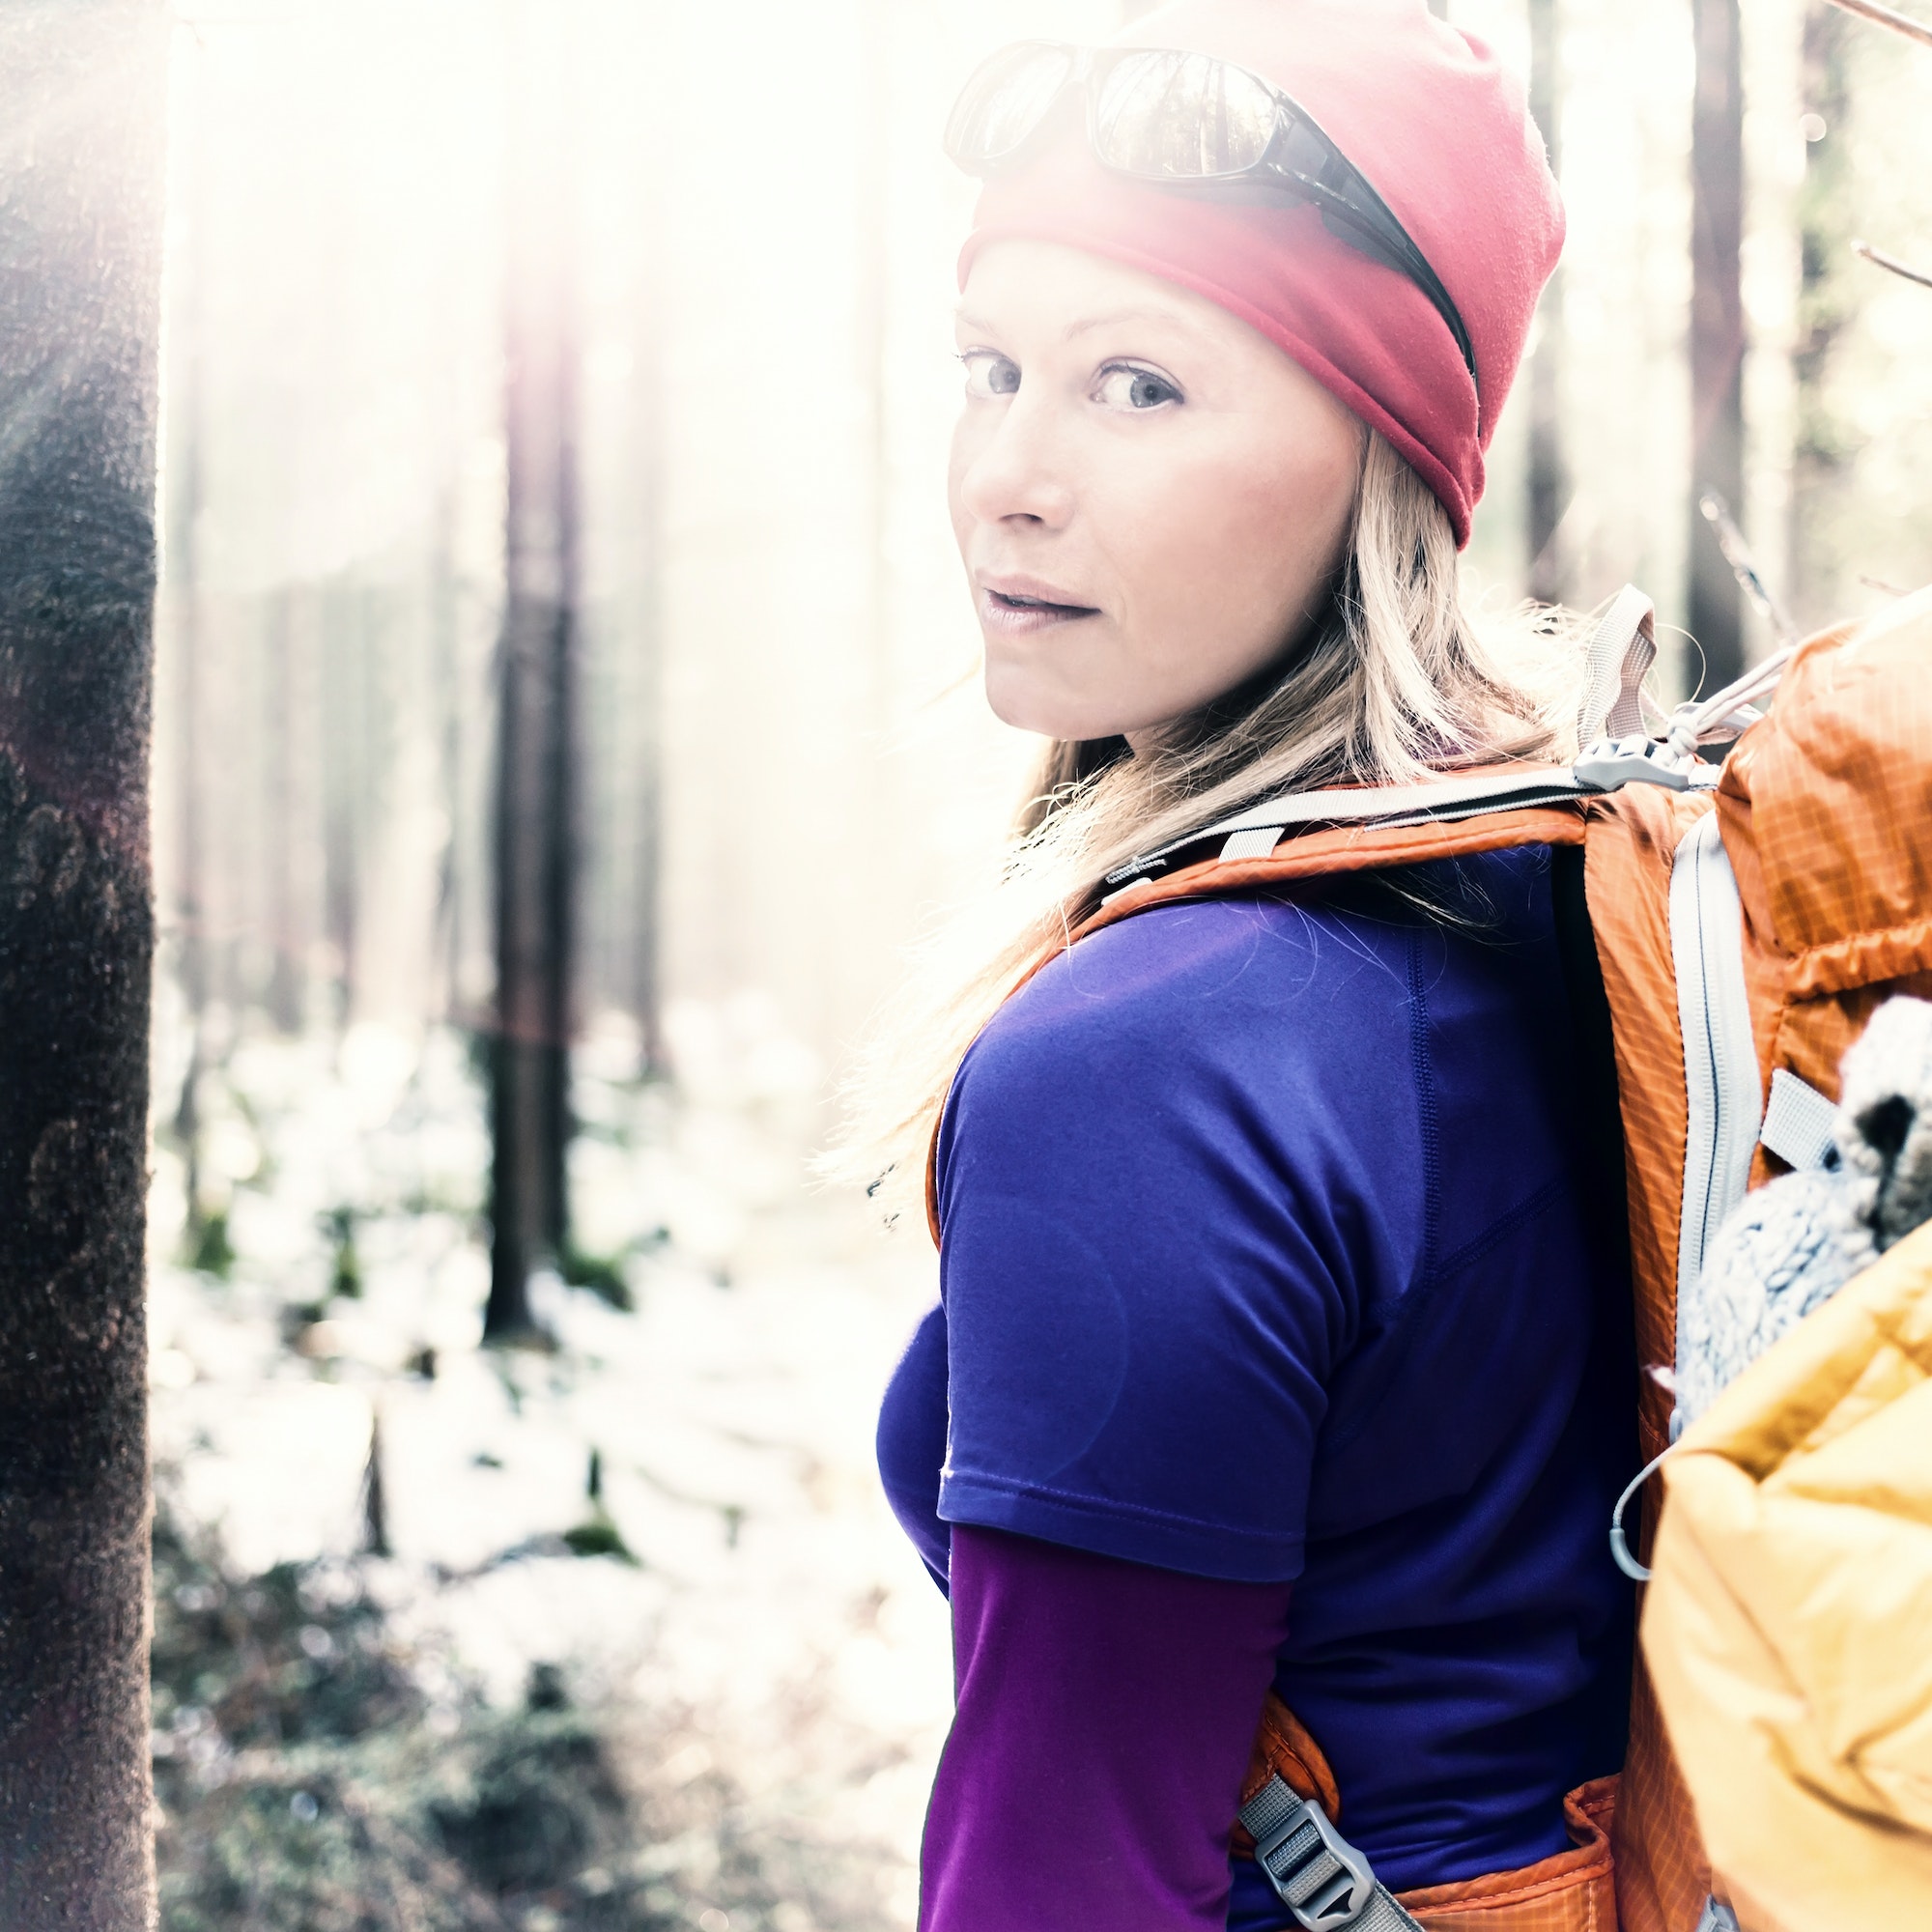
x: 1173, y: 1171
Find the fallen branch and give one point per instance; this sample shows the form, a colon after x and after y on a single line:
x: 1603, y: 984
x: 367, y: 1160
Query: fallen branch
x: 1884, y: 17
x: 1743, y: 565
x: 1891, y: 263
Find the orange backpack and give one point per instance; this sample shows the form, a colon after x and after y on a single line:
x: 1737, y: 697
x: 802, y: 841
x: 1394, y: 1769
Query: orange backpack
x: 1747, y: 916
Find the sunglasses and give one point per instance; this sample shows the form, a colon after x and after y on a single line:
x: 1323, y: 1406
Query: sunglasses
x: 1185, y: 121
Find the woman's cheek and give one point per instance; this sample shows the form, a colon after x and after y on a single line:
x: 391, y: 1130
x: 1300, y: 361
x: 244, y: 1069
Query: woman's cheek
x: 1189, y: 568
x: 973, y: 429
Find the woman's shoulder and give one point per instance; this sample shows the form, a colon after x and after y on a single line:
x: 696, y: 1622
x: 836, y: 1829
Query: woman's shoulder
x: 1281, y: 1011
x: 1182, y: 970
x: 1343, y: 947
x: 1238, y: 1008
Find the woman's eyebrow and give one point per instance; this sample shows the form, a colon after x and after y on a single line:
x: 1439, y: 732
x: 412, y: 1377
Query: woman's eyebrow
x: 1117, y: 315
x: 1081, y: 325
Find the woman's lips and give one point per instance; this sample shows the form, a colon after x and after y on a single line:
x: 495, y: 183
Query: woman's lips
x: 1016, y: 613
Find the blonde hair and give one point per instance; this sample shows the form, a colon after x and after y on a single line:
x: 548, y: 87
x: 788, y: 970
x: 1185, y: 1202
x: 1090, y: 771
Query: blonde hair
x: 1391, y: 682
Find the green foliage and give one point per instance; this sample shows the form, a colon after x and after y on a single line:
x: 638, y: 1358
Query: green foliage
x: 599, y: 1537
x: 208, y: 1248
x: 603, y: 1276
x: 538, y: 1805
x: 310, y: 1783
x: 345, y: 1270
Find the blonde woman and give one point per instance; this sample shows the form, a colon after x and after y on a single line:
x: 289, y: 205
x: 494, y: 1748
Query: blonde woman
x: 1273, y: 1353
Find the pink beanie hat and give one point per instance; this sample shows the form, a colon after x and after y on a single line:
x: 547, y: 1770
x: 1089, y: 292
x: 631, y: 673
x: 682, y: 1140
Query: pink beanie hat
x: 1426, y: 112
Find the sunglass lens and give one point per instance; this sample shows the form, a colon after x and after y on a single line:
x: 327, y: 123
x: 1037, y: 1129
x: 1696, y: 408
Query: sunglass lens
x: 1004, y: 104
x: 1180, y: 117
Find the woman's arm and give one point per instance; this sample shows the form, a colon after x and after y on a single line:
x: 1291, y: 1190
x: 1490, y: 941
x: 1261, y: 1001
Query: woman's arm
x: 1105, y: 1715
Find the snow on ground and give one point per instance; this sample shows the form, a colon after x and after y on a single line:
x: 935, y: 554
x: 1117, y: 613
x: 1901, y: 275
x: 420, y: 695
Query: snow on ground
x: 771, y: 1596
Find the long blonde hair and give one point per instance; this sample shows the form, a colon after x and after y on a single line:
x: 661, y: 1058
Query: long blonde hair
x: 1391, y: 682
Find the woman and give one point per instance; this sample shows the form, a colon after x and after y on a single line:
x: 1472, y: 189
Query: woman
x: 1272, y: 1353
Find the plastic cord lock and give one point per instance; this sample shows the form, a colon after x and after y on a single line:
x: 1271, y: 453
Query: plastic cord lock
x: 1611, y: 763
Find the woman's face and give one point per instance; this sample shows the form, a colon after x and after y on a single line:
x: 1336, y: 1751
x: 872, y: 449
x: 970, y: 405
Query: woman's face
x: 1150, y: 497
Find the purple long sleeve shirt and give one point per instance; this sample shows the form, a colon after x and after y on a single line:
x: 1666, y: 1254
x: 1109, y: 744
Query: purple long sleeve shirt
x: 1105, y: 1713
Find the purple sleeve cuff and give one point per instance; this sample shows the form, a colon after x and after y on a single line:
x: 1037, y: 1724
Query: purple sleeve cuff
x: 1105, y: 1712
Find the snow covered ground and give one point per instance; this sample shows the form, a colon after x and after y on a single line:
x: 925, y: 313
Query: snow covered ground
x: 768, y: 1594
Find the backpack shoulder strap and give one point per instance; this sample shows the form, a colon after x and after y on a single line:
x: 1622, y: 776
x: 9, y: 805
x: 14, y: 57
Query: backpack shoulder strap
x: 1622, y: 649
x: 1265, y: 861
x: 1356, y: 815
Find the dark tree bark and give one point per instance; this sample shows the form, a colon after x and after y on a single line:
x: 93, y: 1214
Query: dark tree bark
x: 536, y: 843
x: 81, y: 159
x: 1549, y: 492
x: 1716, y: 613
x: 182, y: 540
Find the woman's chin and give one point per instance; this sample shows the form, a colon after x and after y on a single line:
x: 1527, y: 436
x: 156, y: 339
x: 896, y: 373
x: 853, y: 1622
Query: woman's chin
x: 1019, y: 700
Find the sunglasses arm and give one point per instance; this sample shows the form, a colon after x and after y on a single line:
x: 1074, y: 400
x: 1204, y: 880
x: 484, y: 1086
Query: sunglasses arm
x: 1393, y: 251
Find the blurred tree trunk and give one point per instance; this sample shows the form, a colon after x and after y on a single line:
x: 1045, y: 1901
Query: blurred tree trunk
x: 348, y: 725
x: 82, y: 93
x: 643, y: 734
x: 285, y: 920
x: 1822, y: 446
x: 445, y: 682
x: 184, y: 503
x: 1716, y: 613
x: 1548, y: 490
x: 646, y: 949
x: 536, y: 856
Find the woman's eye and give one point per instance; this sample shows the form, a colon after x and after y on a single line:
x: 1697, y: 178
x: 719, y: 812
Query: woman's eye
x: 1125, y: 387
x: 988, y: 375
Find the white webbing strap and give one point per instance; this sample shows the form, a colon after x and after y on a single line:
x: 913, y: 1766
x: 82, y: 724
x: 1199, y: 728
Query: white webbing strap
x: 1254, y: 833
x: 1621, y: 653
x: 1797, y: 1122
x: 1726, y: 1102
x: 1255, y: 842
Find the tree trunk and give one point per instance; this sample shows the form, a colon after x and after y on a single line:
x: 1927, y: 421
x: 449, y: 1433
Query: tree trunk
x: 447, y: 682
x: 1823, y: 444
x: 82, y: 91
x: 1549, y: 492
x: 346, y: 774
x: 642, y: 737
x: 186, y: 650
x: 535, y: 834
x: 286, y: 1002
x: 1716, y: 613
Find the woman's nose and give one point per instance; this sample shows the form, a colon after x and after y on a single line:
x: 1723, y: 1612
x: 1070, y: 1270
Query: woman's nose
x: 1016, y: 472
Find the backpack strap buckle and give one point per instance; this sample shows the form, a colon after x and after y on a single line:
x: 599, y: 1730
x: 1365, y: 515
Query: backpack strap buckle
x: 1611, y: 763
x: 1322, y: 1878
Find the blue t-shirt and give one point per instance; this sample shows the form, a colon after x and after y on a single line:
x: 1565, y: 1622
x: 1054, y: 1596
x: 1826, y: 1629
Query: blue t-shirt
x: 1265, y: 1256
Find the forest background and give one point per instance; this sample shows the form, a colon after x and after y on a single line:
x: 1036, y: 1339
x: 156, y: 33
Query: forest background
x: 616, y: 1632
x: 784, y: 762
